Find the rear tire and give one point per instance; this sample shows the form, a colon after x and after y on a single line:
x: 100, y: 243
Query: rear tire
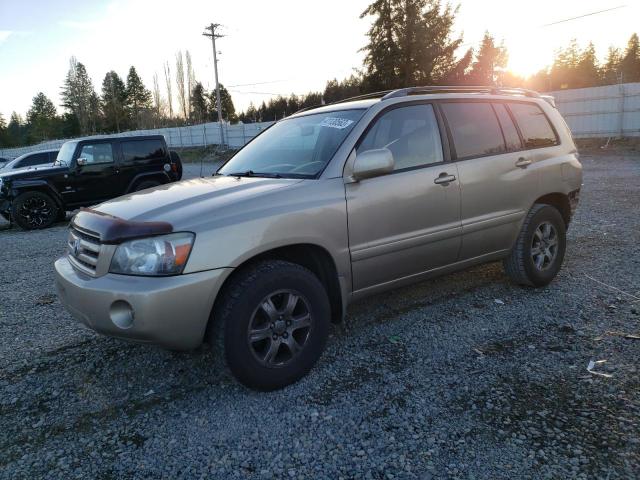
x: 272, y: 322
x: 34, y: 210
x: 175, y: 158
x: 536, y: 257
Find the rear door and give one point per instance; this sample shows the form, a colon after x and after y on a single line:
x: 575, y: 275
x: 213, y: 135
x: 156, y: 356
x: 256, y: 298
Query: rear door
x: 140, y: 157
x: 406, y: 222
x: 497, y: 181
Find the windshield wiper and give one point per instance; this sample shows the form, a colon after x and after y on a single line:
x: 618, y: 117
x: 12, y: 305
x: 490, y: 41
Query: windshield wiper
x: 251, y: 173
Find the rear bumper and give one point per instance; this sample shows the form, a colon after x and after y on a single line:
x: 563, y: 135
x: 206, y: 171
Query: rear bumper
x: 169, y: 311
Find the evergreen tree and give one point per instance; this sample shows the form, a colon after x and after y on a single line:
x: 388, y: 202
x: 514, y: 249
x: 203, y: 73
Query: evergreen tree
x: 16, y: 131
x: 382, y: 51
x: 347, y: 88
x: 41, y: 118
x: 610, y: 71
x: 114, y: 102
x: 198, y: 100
x: 228, y: 109
x: 138, y: 97
x: 630, y: 63
x: 77, y: 93
x: 410, y: 44
x: 4, y: 136
x: 587, y: 71
x: 490, y: 57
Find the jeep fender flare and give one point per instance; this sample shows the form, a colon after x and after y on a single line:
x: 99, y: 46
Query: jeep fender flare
x: 162, y: 177
x: 20, y: 186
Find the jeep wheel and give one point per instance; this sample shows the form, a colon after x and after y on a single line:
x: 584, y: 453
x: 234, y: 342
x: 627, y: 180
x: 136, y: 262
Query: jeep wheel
x: 537, y: 256
x: 273, y: 323
x: 34, y: 210
x: 146, y: 184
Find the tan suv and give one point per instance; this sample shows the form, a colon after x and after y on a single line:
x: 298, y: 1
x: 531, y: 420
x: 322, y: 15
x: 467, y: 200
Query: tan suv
x: 326, y: 207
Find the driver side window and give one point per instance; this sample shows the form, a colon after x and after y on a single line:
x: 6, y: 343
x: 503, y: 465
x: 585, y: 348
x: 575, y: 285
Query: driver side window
x: 411, y: 133
x: 97, y: 153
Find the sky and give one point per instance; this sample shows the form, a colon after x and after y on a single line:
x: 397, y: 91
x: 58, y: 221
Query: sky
x: 279, y: 46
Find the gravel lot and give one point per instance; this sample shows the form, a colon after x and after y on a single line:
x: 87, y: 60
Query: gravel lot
x: 466, y: 376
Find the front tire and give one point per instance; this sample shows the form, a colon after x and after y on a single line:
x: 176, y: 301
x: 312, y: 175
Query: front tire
x: 273, y: 322
x: 536, y: 257
x: 34, y: 210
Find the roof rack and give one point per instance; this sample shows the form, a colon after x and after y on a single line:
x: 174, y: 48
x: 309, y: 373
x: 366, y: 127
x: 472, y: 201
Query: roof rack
x: 403, y: 92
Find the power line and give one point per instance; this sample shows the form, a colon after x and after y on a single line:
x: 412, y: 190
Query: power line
x: 257, y: 83
x: 582, y: 16
x: 561, y: 21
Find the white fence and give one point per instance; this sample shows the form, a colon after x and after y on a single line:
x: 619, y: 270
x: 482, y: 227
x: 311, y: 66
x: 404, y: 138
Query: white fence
x: 609, y: 111
x: 177, y: 137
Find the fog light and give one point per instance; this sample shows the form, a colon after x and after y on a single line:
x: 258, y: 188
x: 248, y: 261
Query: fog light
x: 121, y: 314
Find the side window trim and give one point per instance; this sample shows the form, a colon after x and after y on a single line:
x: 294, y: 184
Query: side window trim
x: 513, y: 121
x: 444, y: 141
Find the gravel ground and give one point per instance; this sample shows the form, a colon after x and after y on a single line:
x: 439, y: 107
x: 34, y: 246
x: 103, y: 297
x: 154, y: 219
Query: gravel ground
x: 466, y: 376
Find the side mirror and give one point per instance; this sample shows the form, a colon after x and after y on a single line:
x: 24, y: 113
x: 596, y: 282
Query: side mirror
x: 373, y: 163
x: 81, y: 162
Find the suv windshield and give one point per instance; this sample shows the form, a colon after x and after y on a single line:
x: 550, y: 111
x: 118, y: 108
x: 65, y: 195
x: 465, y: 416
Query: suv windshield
x: 298, y: 147
x: 65, y: 154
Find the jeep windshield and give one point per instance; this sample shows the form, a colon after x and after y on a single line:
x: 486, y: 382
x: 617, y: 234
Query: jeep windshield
x: 298, y: 147
x: 65, y: 154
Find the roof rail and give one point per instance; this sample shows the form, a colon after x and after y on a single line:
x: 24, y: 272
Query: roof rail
x: 403, y: 92
x: 364, y: 97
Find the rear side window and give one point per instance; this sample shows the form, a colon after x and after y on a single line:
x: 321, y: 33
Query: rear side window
x: 411, y: 133
x: 140, y: 150
x: 511, y: 137
x: 536, y: 129
x: 474, y: 129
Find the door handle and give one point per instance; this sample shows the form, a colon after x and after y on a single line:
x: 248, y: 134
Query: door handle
x: 523, y: 162
x: 444, y: 179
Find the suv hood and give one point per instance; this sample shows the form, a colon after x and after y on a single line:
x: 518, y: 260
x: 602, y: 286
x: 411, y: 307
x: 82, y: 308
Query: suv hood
x: 189, y: 202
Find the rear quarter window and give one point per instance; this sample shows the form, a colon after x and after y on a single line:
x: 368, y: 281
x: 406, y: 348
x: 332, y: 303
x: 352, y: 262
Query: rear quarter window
x: 534, y: 125
x: 142, y: 150
x: 474, y: 129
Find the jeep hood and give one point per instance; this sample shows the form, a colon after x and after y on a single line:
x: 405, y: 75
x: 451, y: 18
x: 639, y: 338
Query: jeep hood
x: 31, y: 172
x: 189, y: 202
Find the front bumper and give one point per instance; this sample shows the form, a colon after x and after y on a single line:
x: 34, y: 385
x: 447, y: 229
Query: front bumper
x: 169, y: 311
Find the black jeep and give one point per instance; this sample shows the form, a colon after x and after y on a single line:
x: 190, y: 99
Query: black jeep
x: 86, y: 172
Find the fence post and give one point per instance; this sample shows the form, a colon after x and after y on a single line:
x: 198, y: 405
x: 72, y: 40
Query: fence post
x: 622, y: 98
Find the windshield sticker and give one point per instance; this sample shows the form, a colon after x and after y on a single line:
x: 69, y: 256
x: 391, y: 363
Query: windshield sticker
x: 333, y: 122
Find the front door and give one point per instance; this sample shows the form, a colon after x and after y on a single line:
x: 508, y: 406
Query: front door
x: 406, y: 222
x: 97, y: 179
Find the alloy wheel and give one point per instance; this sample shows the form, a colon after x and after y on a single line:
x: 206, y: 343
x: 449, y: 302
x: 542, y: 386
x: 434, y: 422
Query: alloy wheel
x: 544, y: 246
x: 279, y: 328
x: 35, y: 211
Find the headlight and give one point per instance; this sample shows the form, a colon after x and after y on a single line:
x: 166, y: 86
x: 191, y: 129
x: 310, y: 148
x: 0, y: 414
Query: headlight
x: 153, y: 256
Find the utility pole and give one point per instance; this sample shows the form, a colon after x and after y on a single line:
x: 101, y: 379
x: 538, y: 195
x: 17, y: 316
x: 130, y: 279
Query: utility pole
x: 211, y: 32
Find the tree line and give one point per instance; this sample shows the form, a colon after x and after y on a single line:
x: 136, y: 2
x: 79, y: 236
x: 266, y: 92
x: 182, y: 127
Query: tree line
x: 123, y: 104
x: 410, y: 42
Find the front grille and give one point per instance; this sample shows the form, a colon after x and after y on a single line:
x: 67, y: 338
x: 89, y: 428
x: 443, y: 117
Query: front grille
x: 84, y: 250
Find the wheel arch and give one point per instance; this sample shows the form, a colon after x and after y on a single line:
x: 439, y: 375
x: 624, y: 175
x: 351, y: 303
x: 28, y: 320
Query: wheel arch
x: 311, y: 256
x: 161, y: 177
x: 560, y: 201
x: 18, y: 189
